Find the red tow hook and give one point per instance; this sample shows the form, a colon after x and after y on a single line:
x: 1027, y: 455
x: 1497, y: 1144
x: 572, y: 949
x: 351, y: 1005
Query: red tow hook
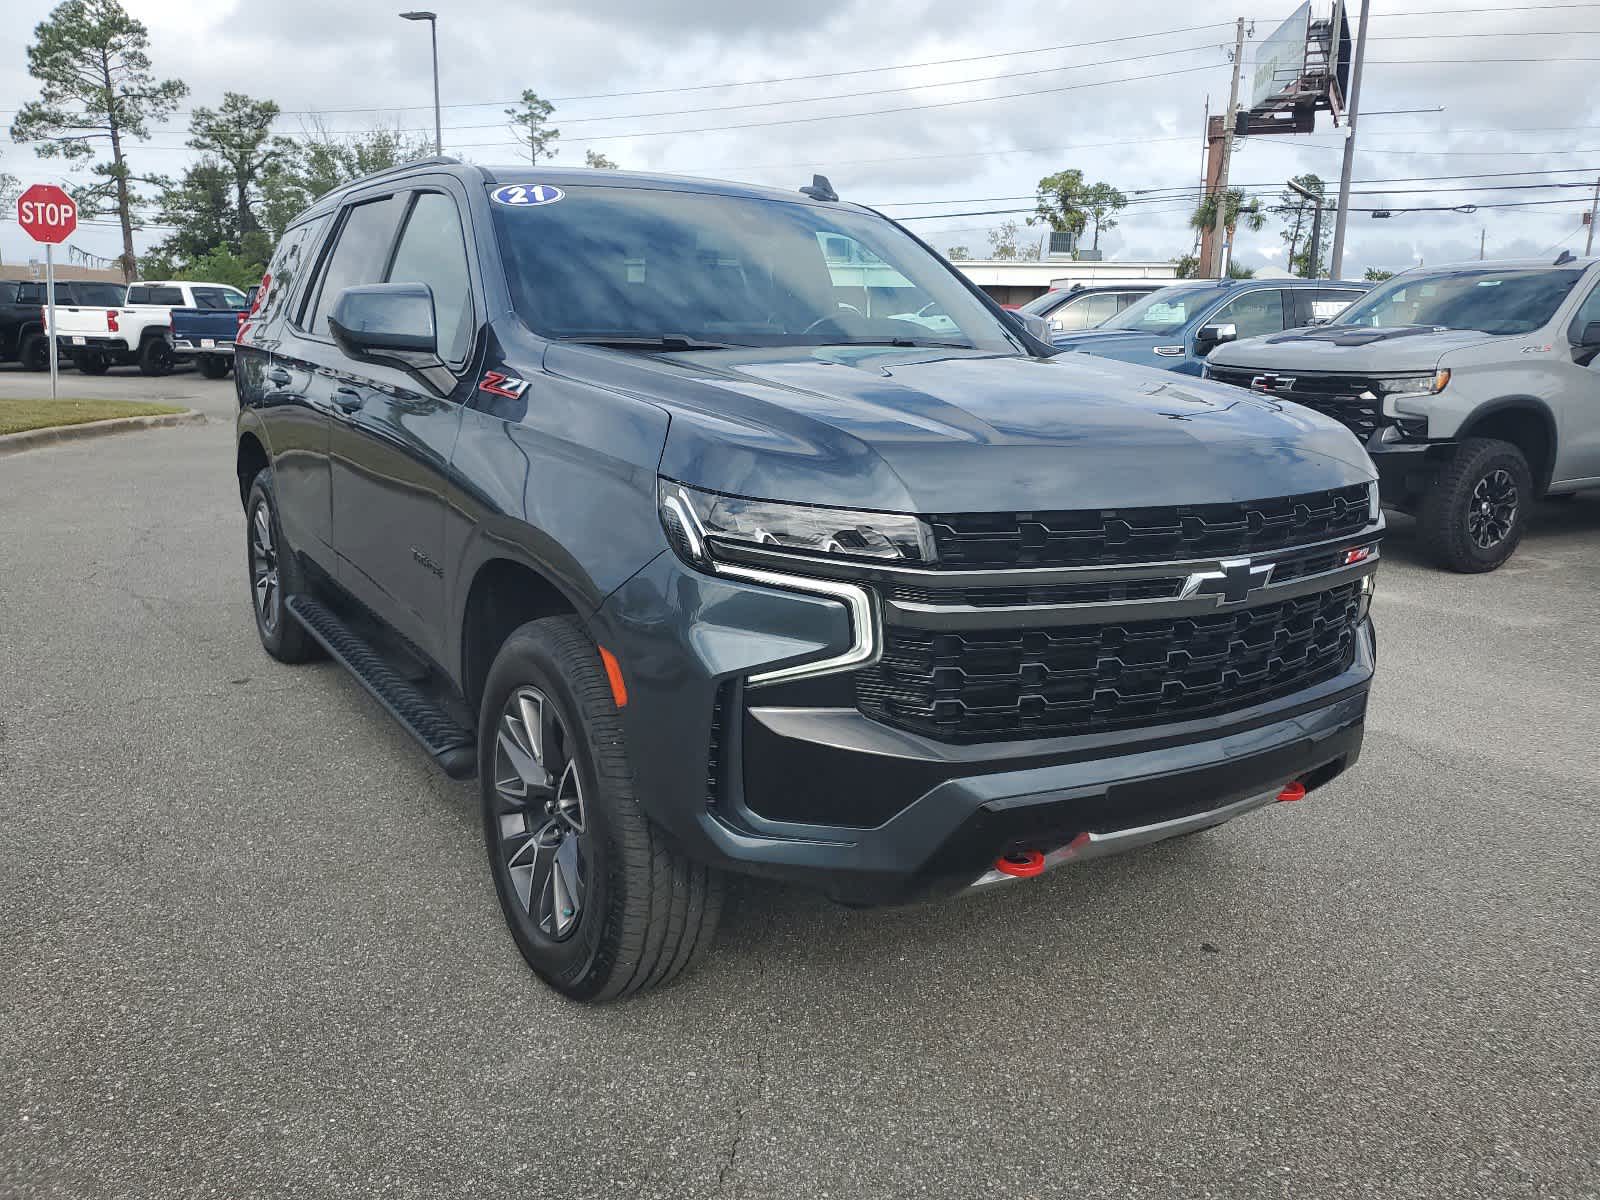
x: 1020, y: 864
x: 1293, y: 790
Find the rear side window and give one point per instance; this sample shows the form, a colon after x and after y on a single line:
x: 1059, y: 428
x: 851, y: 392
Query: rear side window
x: 1085, y: 313
x: 1253, y: 314
x: 290, y: 263
x: 358, y: 255
x: 217, y: 298
x: 433, y: 251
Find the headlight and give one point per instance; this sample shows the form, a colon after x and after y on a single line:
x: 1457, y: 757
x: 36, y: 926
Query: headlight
x: 695, y: 521
x: 1415, y: 385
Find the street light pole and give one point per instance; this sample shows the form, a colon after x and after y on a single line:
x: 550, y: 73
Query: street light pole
x: 1336, y: 260
x: 433, y: 36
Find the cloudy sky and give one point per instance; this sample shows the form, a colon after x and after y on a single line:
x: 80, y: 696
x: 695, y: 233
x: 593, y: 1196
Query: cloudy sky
x: 922, y: 106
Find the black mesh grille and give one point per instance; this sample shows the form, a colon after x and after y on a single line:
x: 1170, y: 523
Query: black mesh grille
x: 1045, y: 682
x: 1000, y: 541
x: 1336, y: 396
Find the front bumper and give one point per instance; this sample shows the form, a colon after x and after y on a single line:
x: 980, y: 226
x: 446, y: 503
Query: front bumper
x: 876, y: 814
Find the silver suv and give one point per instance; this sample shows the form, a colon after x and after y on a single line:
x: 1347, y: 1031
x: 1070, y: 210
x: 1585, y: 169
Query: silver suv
x: 1474, y: 388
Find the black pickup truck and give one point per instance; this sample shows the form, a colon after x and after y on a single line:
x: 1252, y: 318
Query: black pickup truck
x: 621, y: 495
x: 22, y: 301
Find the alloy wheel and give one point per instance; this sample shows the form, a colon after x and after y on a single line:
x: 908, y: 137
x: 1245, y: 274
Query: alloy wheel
x: 540, y: 827
x: 1492, y: 511
x: 264, y: 579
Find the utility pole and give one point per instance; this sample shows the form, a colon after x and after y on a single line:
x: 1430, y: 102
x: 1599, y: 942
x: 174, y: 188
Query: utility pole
x: 1336, y: 263
x: 1594, y: 215
x: 1316, y: 199
x: 1219, y: 230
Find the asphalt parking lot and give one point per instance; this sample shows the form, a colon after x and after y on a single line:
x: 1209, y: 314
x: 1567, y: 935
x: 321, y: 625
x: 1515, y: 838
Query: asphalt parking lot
x: 248, y: 946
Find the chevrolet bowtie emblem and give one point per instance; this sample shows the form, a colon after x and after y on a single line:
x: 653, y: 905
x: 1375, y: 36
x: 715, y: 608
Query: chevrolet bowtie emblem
x: 1272, y: 383
x: 1232, y: 584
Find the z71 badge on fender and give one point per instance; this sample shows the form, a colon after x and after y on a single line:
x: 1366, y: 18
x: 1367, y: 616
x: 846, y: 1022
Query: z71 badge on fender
x: 502, y: 385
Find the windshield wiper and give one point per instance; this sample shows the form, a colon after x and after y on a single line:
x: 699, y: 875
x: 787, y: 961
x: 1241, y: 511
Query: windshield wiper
x: 899, y: 341
x: 665, y: 341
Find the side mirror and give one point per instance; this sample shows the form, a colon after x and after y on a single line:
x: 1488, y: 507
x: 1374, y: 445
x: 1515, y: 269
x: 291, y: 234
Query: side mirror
x: 1038, y: 326
x: 1317, y: 321
x: 1212, y: 336
x: 388, y: 323
x: 1589, y: 339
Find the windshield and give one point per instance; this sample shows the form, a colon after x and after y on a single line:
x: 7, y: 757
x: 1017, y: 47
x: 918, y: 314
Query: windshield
x: 1486, y: 300
x: 611, y: 263
x: 1167, y: 311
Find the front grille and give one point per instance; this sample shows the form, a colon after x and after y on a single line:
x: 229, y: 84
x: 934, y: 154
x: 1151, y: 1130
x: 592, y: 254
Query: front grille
x: 1049, y: 682
x: 1102, y: 537
x: 1336, y: 396
x: 1044, y: 593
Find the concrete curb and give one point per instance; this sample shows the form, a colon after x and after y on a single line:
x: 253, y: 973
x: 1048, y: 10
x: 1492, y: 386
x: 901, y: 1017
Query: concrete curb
x: 30, y: 439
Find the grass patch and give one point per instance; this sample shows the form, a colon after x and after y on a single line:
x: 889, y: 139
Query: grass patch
x: 17, y: 416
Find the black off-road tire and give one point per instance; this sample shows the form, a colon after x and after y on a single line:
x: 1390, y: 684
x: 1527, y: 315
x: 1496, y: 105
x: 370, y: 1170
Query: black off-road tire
x: 282, y: 636
x: 647, y: 911
x: 215, y: 366
x: 1449, y: 507
x: 34, y: 354
x: 155, y: 356
x: 90, y: 362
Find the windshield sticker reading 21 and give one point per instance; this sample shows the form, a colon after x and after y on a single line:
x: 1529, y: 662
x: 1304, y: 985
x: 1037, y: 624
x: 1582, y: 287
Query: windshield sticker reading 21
x: 526, y: 194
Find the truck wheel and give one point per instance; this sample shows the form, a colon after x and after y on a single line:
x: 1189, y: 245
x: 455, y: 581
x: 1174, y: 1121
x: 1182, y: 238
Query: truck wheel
x: 214, y: 366
x: 90, y: 362
x: 274, y: 576
x: 35, y: 355
x: 1473, y: 516
x: 155, y: 357
x: 597, y: 901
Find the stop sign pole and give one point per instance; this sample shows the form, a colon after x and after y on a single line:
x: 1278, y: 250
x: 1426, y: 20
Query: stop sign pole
x: 48, y: 215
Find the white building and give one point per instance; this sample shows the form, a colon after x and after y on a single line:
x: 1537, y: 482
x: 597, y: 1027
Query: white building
x: 1012, y: 282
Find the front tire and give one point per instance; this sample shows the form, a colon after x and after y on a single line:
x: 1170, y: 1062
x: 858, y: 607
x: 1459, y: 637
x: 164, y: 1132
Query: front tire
x: 597, y: 901
x: 274, y: 577
x: 1473, y: 516
x: 155, y: 357
x: 214, y: 366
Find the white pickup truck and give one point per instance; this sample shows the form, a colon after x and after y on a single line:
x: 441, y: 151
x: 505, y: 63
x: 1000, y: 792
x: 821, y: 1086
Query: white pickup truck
x: 139, y: 331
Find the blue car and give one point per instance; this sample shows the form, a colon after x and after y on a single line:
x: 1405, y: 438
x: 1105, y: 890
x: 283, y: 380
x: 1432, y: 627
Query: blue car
x: 1174, y: 329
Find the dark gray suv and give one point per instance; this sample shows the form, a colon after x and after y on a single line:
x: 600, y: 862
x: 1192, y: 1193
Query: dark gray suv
x: 641, y: 500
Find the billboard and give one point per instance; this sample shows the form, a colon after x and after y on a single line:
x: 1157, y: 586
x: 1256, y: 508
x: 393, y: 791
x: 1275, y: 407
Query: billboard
x: 1281, y: 57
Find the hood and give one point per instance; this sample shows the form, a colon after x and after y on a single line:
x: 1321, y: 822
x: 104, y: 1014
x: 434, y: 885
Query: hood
x: 1405, y: 348
x: 919, y: 430
x: 1128, y: 345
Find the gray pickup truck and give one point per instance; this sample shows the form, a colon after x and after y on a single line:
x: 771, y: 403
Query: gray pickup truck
x: 1474, y: 388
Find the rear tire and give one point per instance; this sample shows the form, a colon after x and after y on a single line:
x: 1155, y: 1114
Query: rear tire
x: 1473, y: 516
x: 155, y: 357
x: 90, y: 362
x: 35, y: 353
x: 214, y: 366
x: 274, y: 575
x: 598, y: 902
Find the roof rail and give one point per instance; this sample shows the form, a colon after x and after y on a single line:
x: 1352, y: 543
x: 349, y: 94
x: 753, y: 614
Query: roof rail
x: 433, y: 160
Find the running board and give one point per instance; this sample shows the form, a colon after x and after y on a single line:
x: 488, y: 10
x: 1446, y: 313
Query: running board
x: 452, y: 747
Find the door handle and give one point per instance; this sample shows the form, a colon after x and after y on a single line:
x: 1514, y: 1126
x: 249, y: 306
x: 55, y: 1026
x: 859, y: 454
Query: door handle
x: 348, y: 399
x: 278, y: 377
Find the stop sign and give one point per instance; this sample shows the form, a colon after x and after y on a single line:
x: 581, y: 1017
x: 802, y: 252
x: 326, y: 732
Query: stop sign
x: 47, y: 214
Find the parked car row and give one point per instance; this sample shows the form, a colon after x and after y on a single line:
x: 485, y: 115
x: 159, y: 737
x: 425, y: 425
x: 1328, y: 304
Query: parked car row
x: 152, y: 325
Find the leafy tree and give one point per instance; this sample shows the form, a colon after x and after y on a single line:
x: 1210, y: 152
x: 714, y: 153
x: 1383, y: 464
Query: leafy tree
x: 96, y: 94
x: 325, y: 160
x: 1059, y: 202
x: 240, y: 135
x: 1377, y: 275
x: 529, y: 121
x: 1101, y: 203
x: 1236, y: 208
x: 958, y: 254
x: 1299, y: 217
x: 223, y: 265
x: 199, y: 208
x: 593, y: 158
x: 1008, y: 242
